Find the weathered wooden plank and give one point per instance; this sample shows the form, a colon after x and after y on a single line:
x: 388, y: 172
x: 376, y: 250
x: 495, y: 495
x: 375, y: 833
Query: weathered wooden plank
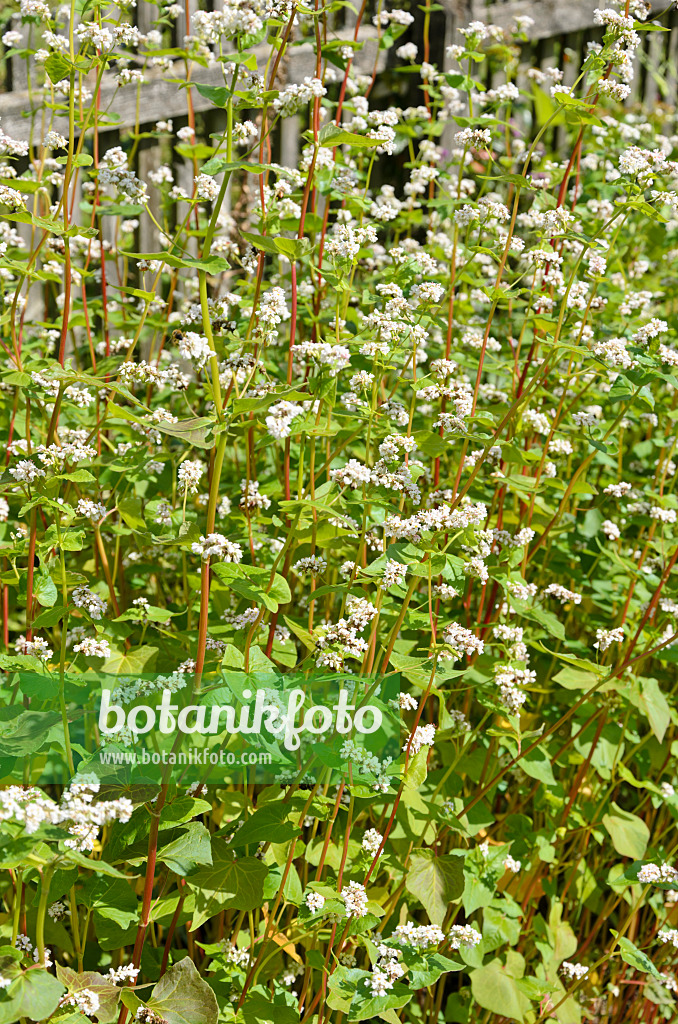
x: 159, y: 100
x: 551, y: 17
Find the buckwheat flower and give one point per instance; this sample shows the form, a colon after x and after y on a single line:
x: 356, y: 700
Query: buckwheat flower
x: 314, y: 901
x: 130, y: 76
x: 614, y: 353
x: 125, y: 973
x: 144, y: 1014
x: 570, y: 970
x: 669, y: 935
x: 667, y: 790
x: 93, y: 648
x: 83, y: 597
x: 54, y: 140
x: 251, y: 498
x: 386, y: 136
x: 406, y: 702
x: 215, y: 545
x: 459, y: 722
x: 86, y: 1001
x: 611, y: 530
x: 398, y: 17
x: 5, y: 982
x: 423, y: 736
x: 352, y: 475
x: 408, y: 51
x: 361, y: 381
x: 35, y: 9
x: 35, y: 648
x: 26, y: 471
x: 372, y: 840
x: 57, y: 910
x: 163, y: 515
x: 92, y: 510
x: 463, y: 935
x: 466, y: 215
x: 394, y: 573
x: 313, y: 565
x: 512, y: 865
x: 462, y: 639
x: 189, y: 475
x: 422, y: 936
x: 664, y: 515
x: 561, y: 593
x: 606, y: 637
x: 280, y: 417
x: 206, y: 186
x: 354, y: 896
x: 196, y: 348
x: 478, y: 138
x: 47, y: 957
x: 654, y: 873
x: 379, y: 982
x: 244, y: 131
x: 477, y: 568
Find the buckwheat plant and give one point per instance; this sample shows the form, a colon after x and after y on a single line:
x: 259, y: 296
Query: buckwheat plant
x: 406, y: 408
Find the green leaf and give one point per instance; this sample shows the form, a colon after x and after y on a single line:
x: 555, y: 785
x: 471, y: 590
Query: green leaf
x: 210, y: 264
x: 131, y: 514
x: 252, y: 582
x: 268, y: 824
x: 435, y: 881
x: 189, y: 850
x: 496, y: 990
x: 635, y: 957
x: 655, y: 705
x: 229, y: 883
x: 183, y: 997
x: 629, y: 833
x: 537, y: 764
x: 100, y: 866
x: 111, y: 899
x: 58, y: 67
x: 260, y: 1009
x: 132, y: 662
x: 332, y: 135
x: 216, y: 94
x: 45, y: 591
x: 38, y: 993
x: 295, y: 248
x: 260, y: 242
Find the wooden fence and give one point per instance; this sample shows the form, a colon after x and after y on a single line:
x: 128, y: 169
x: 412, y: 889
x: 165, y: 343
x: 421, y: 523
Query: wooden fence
x: 559, y: 35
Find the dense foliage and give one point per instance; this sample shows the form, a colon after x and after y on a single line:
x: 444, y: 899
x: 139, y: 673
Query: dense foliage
x: 423, y: 430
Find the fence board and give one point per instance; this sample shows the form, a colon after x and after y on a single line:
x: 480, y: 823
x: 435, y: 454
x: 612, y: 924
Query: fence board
x: 160, y: 102
x: 551, y: 17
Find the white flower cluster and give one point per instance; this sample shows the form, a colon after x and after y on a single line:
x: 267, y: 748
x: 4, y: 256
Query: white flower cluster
x: 366, y: 763
x: 215, y: 545
x: 314, y: 901
x: 31, y: 808
x: 606, y: 637
x: 422, y: 936
x: 571, y: 970
x: 462, y: 640
x: 423, y: 736
x: 650, y: 873
x: 354, y: 896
